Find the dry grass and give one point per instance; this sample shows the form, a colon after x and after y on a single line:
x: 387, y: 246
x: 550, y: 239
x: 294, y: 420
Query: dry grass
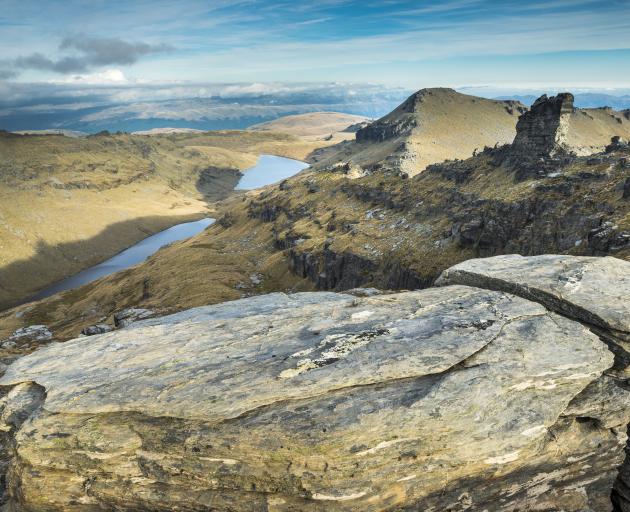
x: 314, y: 126
x: 69, y: 203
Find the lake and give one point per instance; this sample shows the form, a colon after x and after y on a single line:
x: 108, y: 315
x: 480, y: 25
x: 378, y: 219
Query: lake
x: 269, y: 169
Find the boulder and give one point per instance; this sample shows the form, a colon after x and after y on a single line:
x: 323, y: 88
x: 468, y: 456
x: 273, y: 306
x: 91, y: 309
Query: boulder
x: 92, y: 330
x: 594, y: 291
x: 616, y: 143
x: 454, y: 398
x: 130, y: 315
x: 33, y: 334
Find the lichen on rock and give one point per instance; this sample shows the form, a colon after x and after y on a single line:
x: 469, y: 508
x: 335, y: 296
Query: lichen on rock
x: 454, y: 398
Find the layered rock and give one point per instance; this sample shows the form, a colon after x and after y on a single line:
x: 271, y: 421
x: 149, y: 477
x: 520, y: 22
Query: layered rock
x: 593, y: 291
x: 542, y: 131
x: 540, y: 145
x: 454, y: 398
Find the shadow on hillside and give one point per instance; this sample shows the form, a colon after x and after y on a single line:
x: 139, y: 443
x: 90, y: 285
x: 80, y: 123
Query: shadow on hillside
x: 216, y: 183
x: 21, y: 280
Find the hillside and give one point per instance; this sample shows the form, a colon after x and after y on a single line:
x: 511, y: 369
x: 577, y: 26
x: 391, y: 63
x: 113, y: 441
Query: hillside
x: 316, y: 125
x: 68, y: 203
x: 329, y: 229
x: 431, y: 126
x: 435, y: 125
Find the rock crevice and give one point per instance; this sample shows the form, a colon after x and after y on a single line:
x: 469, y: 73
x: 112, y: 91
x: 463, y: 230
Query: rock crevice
x: 451, y: 398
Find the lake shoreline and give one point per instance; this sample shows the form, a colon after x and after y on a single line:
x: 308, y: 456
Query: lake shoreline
x: 268, y: 170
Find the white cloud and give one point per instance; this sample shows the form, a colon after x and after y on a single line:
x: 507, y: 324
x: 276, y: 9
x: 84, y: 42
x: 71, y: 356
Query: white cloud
x: 106, y: 77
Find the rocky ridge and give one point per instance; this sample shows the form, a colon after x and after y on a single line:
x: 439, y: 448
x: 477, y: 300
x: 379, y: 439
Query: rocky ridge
x: 461, y: 397
x: 440, y: 124
x: 329, y: 229
x: 432, y: 125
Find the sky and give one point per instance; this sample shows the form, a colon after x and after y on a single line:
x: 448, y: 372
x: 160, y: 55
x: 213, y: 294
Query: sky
x: 157, y: 49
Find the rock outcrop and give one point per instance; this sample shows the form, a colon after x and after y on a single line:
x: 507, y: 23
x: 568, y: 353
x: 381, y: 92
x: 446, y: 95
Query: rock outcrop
x: 553, y: 132
x: 453, y: 398
x: 593, y: 291
x: 542, y: 131
x: 540, y: 145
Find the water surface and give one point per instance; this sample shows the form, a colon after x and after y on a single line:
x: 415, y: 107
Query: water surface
x: 269, y: 169
x: 129, y: 257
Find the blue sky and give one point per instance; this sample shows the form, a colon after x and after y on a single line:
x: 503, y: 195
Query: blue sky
x: 574, y: 43
x: 135, y: 64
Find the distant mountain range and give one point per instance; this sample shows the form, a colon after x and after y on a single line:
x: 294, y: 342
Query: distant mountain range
x: 583, y: 100
x: 216, y: 107
x: 196, y: 108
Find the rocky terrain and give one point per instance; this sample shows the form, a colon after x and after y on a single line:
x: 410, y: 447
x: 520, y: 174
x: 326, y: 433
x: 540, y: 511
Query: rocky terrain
x: 431, y: 126
x: 337, y: 227
x: 499, y: 384
x: 68, y: 203
x: 504, y: 389
x: 435, y: 125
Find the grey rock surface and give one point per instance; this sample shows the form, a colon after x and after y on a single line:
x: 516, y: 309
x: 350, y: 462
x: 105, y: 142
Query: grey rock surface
x: 590, y: 289
x: 441, y: 399
x: 594, y: 291
x: 542, y: 130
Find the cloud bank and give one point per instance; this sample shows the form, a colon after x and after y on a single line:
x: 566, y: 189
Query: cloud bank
x: 88, y: 53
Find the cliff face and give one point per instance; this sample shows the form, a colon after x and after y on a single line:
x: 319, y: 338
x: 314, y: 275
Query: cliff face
x: 453, y: 398
x: 542, y: 131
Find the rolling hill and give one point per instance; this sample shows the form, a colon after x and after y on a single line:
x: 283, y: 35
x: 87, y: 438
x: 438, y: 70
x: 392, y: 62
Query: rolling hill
x: 69, y: 203
x: 316, y: 125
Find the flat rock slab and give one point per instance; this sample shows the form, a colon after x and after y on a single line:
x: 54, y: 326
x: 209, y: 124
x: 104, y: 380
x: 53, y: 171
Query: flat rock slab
x: 319, y: 401
x: 590, y: 289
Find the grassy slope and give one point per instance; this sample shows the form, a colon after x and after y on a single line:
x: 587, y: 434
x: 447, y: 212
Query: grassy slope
x: 591, y: 128
x: 68, y: 203
x: 314, y: 125
x: 448, y: 125
x: 391, y: 225
x: 380, y: 219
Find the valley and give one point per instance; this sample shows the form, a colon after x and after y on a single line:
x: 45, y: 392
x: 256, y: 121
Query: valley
x: 387, y: 271
x: 339, y: 225
x: 69, y: 203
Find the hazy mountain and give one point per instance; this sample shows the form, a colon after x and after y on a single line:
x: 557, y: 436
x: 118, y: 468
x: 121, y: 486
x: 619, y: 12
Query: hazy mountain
x: 131, y: 109
x: 582, y: 100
